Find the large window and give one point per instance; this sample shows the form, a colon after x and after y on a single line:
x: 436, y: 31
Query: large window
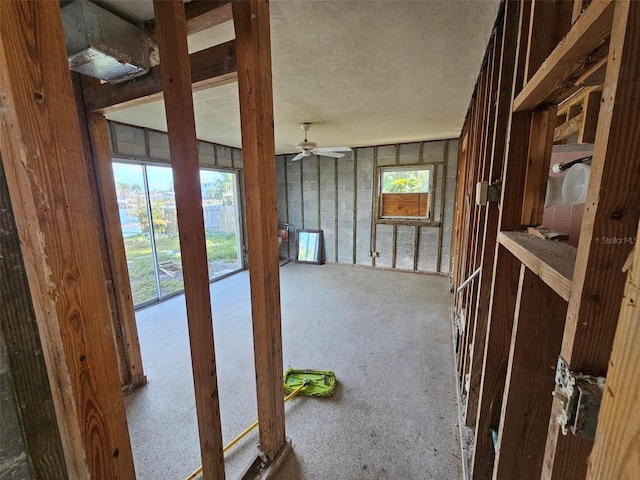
x: 405, y: 192
x: 146, y: 201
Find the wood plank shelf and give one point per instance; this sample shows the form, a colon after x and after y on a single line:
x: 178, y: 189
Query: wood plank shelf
x: 571, y: 59
x: 552, y: 261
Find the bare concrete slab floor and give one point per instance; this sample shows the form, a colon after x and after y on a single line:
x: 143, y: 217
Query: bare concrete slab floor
x: 385, y: 334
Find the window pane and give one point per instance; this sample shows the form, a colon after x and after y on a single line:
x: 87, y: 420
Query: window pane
x: 163, y: 211
x: 135, y: 231
x: 405, y: 181
x: 220, y: 208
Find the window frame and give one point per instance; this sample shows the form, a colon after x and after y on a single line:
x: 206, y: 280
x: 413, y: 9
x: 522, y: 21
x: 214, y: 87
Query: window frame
x: 396, y: 219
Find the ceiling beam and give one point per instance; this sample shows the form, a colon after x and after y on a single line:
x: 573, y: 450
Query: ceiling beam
x: 211, y: 67
x: 200, y: 15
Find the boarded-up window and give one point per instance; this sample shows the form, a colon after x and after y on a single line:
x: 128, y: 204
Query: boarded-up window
x: 405, y: 192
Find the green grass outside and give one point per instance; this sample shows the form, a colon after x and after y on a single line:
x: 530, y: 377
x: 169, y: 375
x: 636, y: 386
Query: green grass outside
x: 220, y: 247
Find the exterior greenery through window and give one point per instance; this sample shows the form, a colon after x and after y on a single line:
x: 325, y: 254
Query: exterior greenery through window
x: 405, y: 192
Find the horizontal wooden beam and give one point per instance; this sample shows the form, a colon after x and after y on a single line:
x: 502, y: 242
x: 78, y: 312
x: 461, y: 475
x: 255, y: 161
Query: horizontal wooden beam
x: 552, y: 261
x: 200, y: 15
x: 211, y: 67
x: 574, y: 51
x: 568, y: 128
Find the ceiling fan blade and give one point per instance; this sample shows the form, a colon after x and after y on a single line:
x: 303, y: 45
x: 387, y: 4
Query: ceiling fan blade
x: 333, y: 149
x: 329, y: 154
x: 297, y: 157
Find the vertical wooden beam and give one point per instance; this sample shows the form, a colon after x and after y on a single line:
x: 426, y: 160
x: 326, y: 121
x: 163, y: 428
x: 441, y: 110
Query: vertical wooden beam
x: 591, y: 109
x: 47, y: 176
x: 183, y: 147
x: 443, y: 190
x: 505, y: 272
x: 615, y: 450
x: 28, y: 370
x: 610, y: 220
x: 97, y: 125
x: 251, y: 19
x: 94, y: 127
x: 535, y: 345
x: 553, y: 17
x: 535, y: 184
x: 503, y: 104
x: 496, y: 352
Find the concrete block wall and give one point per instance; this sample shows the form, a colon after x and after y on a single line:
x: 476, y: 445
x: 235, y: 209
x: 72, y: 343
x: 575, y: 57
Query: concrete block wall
x: 337, y: 196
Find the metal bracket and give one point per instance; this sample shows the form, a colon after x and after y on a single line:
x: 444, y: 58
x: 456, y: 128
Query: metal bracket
x: 581, y: 396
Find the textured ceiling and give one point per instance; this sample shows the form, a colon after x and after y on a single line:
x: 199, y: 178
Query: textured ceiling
x: 362, y: 72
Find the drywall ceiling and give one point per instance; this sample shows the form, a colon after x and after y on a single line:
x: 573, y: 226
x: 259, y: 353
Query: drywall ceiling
x: 362, y: 72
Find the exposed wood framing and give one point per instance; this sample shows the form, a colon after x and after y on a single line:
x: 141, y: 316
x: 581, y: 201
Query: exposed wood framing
x: 503, y: 102
x: 211, y: 67
x: 251, y: 19
x: 572, y: 53
x: 20, y: 333
x: 535, y: 183
x: 598, y: 280
x: 98, y: 152
x: 615, y: 450
x: 200, y: 15
x: 535, y: 344
x: 181, y: 129
x: 578, y: 291
x: 47, y: 175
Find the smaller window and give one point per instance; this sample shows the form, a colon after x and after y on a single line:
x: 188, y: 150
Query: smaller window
x: 405, y: 192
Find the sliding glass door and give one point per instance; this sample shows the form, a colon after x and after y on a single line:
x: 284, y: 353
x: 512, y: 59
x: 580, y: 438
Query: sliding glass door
x: 146, y: 201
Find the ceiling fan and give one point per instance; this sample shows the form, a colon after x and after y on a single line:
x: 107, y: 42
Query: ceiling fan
x: 306, y: 148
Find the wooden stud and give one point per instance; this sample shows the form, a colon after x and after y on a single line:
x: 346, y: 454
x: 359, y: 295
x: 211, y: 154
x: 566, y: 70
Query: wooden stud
x: 176, y: 84
x: 505, y: 272
x: 375, y: 206
x: 589, y: 125
x: 286, y: 200
x: 589, y: 31
x: 416, y: 246
x: 394, y: 245
x: 28, y: 370
x: 116, y: 321
x: 615, y: 450
x: 251, y: 20
x: 539, y: 158
x: 598, y: 281
x: 496, y: 354
x: 552, y: 16
x: 443, y: 190
x: 336, y: 223
x: 498, y: 144
x: 211, y: 67
x: 100, y: 155
x: 354, y: 220
x: 47, y: 176
x: 535, y: 345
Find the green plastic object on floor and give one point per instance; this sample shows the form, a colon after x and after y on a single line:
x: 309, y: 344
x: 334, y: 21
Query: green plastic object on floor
x: 322, y: 383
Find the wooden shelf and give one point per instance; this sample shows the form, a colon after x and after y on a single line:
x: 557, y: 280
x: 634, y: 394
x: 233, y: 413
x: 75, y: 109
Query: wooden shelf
x: 573, y: 57
x: 552, y: 261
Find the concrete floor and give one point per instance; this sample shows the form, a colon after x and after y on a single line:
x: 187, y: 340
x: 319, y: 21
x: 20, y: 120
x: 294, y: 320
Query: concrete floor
x: 385, y: 334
